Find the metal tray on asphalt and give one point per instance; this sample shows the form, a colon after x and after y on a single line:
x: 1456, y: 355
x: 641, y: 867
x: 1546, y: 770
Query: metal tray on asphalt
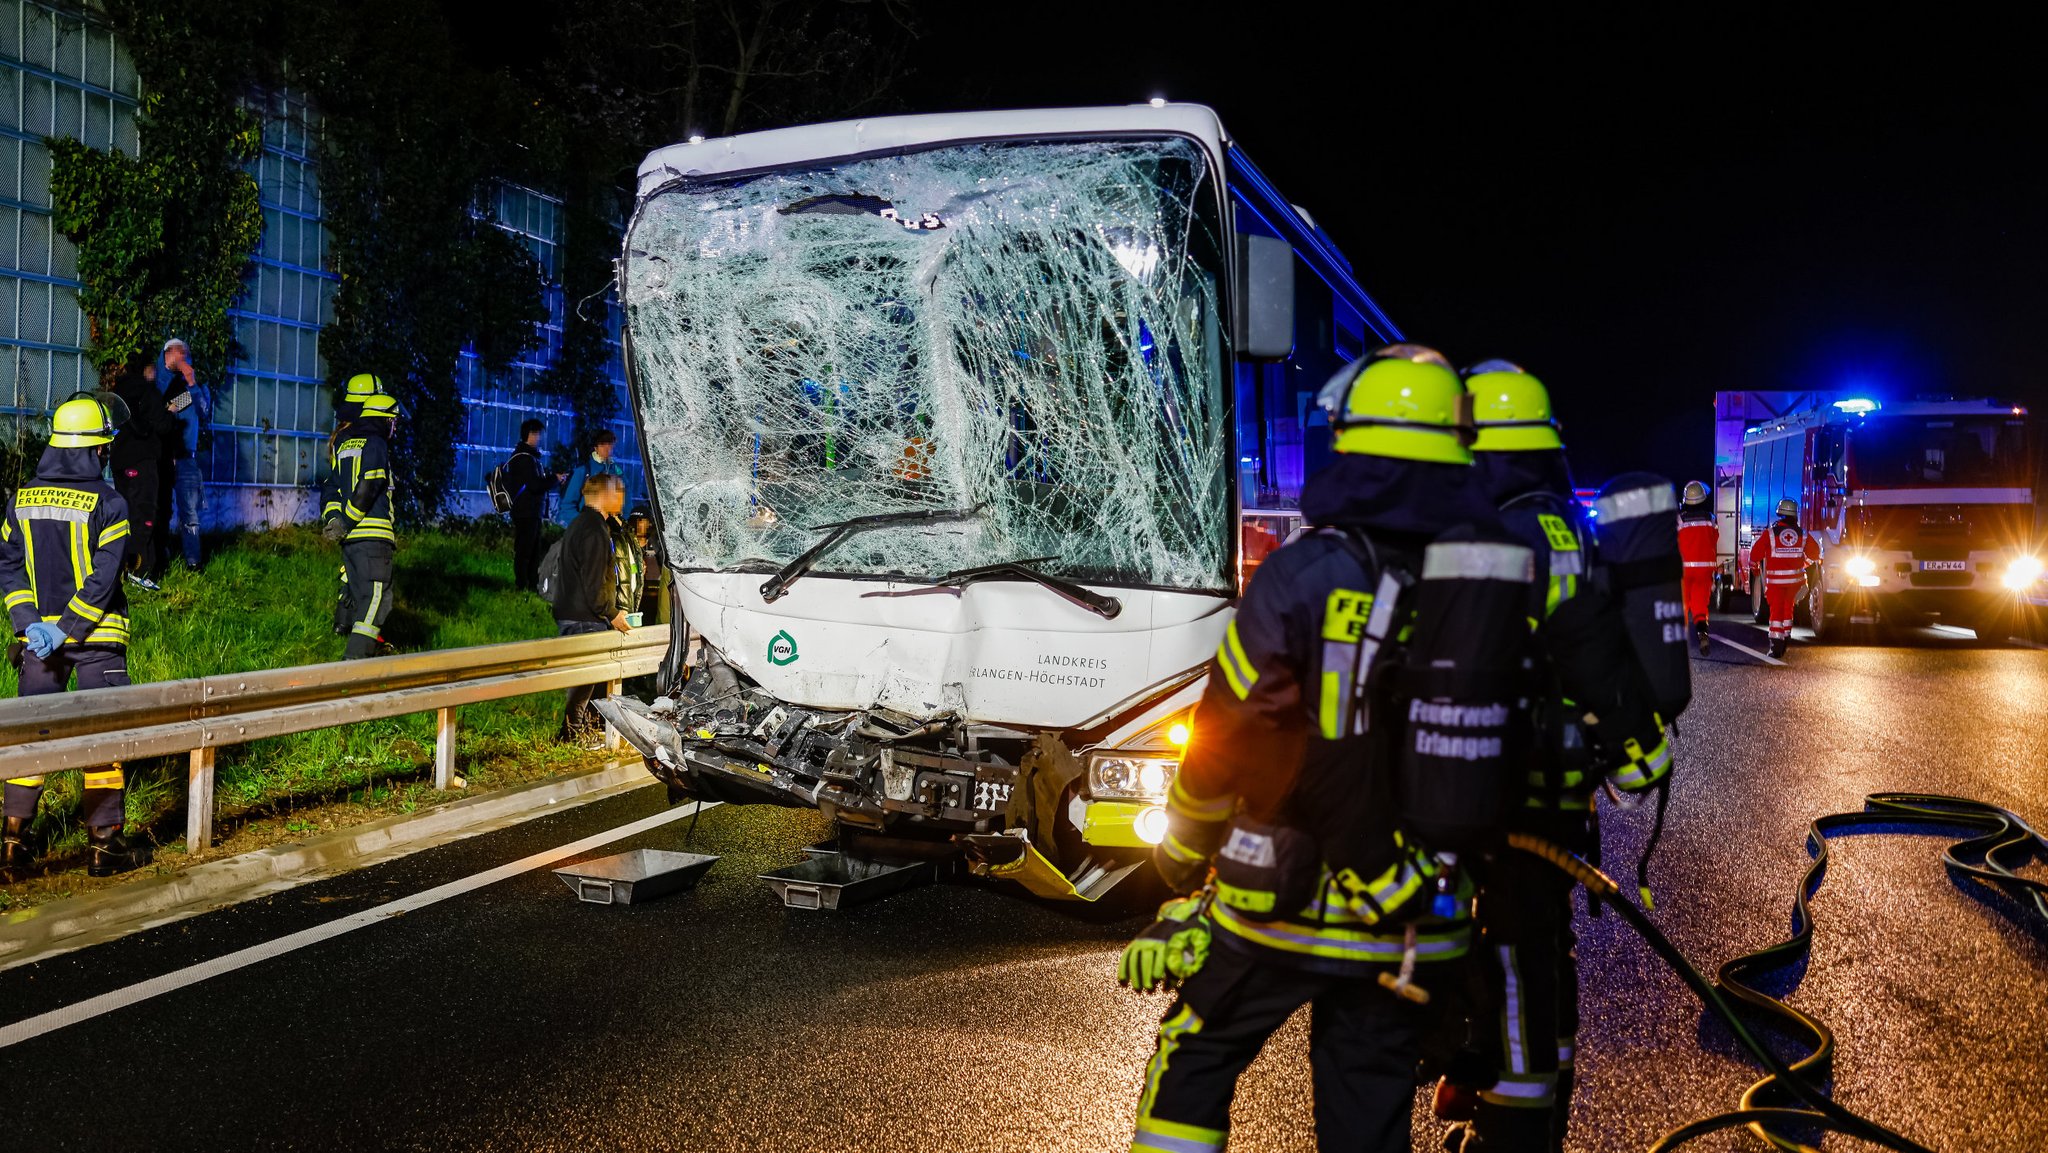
x: 835, y: 880
x: 638, y: 876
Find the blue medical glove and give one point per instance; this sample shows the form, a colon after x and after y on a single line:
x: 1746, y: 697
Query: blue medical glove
x: 43, y: 638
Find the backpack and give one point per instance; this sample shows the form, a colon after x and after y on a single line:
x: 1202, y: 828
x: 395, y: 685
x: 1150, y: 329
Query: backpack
x: 494, y: 484
x: 551, y: 572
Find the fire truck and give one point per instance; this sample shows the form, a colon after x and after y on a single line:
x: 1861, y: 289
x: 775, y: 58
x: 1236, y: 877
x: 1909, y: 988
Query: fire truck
x: 1924, y: 510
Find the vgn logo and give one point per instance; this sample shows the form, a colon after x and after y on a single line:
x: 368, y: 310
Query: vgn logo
x: 782, y: 649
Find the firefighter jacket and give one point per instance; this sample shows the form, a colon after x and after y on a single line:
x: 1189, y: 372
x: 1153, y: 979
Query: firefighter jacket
x: 1595, y: 719
x: 61, y: 548
x: 1783, y: 554
x: 1277, y: 775
x: 359, y: 482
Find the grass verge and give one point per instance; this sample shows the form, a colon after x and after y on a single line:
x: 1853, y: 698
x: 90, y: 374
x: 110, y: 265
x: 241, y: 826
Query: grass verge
x: 266, y: 600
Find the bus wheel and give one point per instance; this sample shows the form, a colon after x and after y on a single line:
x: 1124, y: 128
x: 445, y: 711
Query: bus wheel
x: 1825, y: 631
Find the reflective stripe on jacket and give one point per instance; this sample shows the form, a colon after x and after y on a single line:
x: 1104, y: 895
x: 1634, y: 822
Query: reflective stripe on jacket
x: 61, y: 549
x: 1783, y: 554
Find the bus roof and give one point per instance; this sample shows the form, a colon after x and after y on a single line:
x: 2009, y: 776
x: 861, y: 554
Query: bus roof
x: 780, y: 147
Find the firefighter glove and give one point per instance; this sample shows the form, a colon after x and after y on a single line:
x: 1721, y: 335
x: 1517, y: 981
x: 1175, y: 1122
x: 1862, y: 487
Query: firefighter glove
x: 1170, y: 950
x: 43, y: 638
x: 335, y: 529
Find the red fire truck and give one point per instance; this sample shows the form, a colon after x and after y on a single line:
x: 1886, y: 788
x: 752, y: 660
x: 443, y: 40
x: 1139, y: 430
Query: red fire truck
x: 1923, y: 510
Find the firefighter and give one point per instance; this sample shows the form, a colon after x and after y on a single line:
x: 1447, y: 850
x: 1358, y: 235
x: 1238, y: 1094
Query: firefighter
x: 358, y: 514
x: 1594, y: 721
x: 1318, y: 890
x: 1698, y: 542
x: 360, y: 387
x: 62, y: 546
x: 1782, y: 554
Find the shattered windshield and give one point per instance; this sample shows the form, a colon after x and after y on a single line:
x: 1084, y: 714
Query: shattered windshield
x: 1029, y: 330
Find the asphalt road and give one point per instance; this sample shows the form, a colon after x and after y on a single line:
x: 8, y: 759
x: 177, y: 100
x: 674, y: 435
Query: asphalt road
x: 958, y: 1017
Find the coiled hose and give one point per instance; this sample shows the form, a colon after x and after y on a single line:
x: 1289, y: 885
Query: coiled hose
x: 2006, y: 844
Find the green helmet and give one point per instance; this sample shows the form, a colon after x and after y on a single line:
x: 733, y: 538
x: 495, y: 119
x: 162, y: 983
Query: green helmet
x: 86, y: 420
x: 1788, y: 508
x: 380, y: 404
x: 1695, y: 492
x: 1512, y: 409
x: 1403, y: 401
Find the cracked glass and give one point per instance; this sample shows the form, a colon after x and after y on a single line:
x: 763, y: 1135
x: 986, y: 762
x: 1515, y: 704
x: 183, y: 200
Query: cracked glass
x: 1030, y: 331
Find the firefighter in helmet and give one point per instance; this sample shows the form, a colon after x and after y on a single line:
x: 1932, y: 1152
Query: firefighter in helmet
x: 357, y: 514
x: 1319, y: 894
x: 61, y: 550
x: 1593, y: 721
x: 1698, y: 543
x: 1783, y: 553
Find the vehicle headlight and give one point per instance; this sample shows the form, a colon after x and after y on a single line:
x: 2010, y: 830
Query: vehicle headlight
x: 1150, y: 825
x: 1859, y: 566
x: 2022, y: 573
x: 1129, y: 775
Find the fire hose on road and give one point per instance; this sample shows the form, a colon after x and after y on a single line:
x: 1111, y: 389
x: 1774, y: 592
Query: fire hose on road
x: 2004, y: 844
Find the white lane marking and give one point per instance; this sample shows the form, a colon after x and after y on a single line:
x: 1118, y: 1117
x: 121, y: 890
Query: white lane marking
x: 193, y: 974
x: 1764, y: 657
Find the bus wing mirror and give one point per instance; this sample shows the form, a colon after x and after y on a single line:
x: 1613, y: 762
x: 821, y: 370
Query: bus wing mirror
x: 1265, y: 298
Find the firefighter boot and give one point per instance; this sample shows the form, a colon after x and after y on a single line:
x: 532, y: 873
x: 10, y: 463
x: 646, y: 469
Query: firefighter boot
x: 15, y: 856
x: 111, y: 853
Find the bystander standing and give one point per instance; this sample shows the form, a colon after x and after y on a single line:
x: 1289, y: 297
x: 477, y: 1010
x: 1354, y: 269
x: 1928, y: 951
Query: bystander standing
x: 587, y: 600
x: 138, y: 447
x: 191, y: 405
x: 599, y: 463
x: 528, y: 483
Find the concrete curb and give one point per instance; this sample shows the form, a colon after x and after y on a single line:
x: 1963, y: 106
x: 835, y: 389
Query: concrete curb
x: 76, y: 922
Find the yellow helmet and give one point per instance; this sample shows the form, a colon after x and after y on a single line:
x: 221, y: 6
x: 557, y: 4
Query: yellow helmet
x: 1403, y: 401
x: 380, y: 404
x: 1512, y: 409
x: 84, y: 421
x: 361, y: 387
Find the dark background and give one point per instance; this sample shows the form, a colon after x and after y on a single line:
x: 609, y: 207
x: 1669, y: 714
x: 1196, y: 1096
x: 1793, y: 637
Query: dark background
x: 1641, y: 212
x: 1640, y: 208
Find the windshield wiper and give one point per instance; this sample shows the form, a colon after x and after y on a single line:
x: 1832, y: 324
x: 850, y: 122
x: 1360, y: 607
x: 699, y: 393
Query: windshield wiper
x: 1105, y: 607
x: 774, y: 587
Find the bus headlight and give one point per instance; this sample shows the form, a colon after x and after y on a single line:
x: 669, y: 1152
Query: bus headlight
x: 1862, y: 570
x: 1150, y: 825
x: 1128, y: 775
x: 2022, y: 573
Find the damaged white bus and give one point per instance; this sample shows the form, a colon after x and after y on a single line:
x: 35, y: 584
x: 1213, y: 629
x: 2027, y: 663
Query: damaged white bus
x: 962, y: 433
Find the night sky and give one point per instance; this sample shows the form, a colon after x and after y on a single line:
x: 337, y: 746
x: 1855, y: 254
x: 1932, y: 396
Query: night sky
x: 1639, y: 214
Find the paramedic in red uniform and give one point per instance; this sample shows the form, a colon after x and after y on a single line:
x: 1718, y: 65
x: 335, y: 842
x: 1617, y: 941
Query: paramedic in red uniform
x: 1698, y: 541
x: 1783, y: 553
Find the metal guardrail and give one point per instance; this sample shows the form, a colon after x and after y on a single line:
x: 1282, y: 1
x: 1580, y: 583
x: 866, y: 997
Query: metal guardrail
x: 201, y: 715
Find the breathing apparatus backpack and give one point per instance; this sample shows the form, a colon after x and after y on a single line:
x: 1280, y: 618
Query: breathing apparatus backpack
x: 1423, y: 752
x: 1637, y: 532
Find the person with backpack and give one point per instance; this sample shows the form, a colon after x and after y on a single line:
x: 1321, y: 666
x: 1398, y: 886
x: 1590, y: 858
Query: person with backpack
x: 599, y: 464
x: 582, y: 573
x: 1594, y: 721
x: 1352, y: 741
x: 520, y: 489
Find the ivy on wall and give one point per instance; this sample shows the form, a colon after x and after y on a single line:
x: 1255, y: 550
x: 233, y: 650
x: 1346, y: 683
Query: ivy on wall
x: 163, y: 238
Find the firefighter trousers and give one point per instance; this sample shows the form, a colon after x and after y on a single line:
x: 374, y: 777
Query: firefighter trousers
x: 1533, y: 979
x: 95, y: 667
x: 366, y: 566
x: 1699, y: 593
x: 1363, y: 1046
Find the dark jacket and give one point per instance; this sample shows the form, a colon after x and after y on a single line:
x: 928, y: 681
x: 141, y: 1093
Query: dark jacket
x: 1278, y: 747
x: 590, y: 580
x: 528, y: 481
x: 358, y: 486
x: 76, y: 525
x: 191, y: 420
x: 151, y: 428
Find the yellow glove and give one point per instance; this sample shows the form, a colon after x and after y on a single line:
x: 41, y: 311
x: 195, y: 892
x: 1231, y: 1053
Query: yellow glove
x: 1170, y: 950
